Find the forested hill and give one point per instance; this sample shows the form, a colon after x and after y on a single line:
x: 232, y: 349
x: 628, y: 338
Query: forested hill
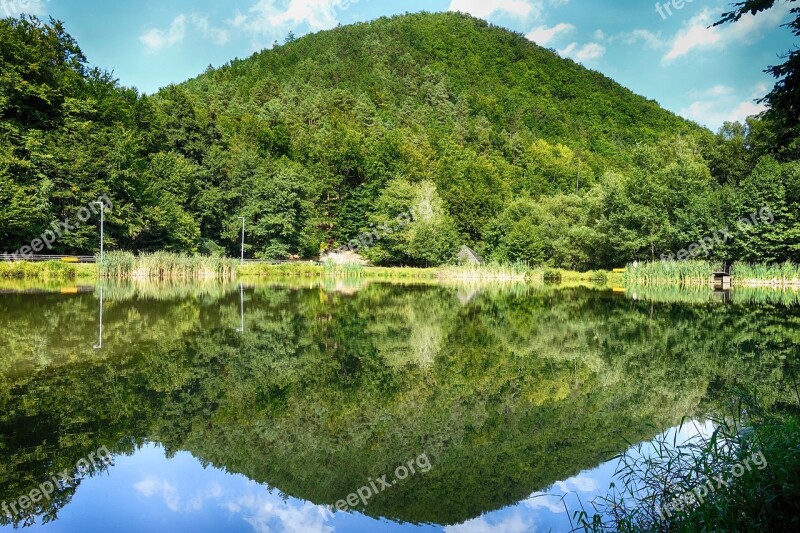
x: 480, y: 112
x: 512, y: 150
x: 446, y: 77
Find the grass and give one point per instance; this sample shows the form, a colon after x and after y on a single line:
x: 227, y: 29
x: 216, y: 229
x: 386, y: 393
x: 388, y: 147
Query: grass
x: 671, y: 273
x: 46, y: 271
x: 781, y: 274
x: 755, y: 455
x: 699, y: 273
x: 490, y: 271
x: 166, y: 266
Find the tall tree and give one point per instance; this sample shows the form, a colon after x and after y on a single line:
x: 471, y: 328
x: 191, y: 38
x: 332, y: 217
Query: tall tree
x: 784, y: 99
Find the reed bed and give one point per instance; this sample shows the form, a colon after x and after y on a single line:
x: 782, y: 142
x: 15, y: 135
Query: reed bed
x: 166, y: 266
x: 780, y: 274
x: 663, y: 486
x: 491, y: 271
x: 671, y: 273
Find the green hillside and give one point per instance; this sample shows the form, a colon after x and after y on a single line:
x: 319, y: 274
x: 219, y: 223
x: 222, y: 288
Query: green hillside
x: 405, y: 138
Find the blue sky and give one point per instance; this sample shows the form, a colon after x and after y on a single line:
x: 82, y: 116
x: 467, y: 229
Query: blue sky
x: 667, y: 54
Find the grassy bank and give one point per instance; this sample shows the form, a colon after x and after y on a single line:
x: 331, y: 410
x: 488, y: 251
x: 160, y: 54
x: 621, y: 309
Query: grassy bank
x: 700, y: 272
x: 46, y: 271
x: 744, y: 476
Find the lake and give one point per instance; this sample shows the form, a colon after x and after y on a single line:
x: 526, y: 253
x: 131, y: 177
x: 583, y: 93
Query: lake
x: 409, y: 407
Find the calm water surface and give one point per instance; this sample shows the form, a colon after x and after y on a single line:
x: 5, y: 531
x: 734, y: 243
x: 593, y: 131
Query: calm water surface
x: 241, y: 408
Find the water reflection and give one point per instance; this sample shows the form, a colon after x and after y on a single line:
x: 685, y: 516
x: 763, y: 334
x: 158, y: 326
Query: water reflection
x: 99, y: 344
x: 511, y: 393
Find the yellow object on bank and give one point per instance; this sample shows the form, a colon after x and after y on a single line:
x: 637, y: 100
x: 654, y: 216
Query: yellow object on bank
x: 70, y: 260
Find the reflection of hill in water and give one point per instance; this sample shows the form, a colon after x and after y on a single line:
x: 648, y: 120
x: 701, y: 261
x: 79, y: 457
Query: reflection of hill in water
x: 506, y: 393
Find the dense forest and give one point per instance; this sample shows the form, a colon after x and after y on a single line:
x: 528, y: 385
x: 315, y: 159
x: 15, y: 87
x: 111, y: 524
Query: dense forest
x: 514, y: 151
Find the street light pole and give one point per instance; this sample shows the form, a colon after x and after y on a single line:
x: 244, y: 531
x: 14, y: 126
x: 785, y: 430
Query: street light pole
x: 242, y: 239
x: 102, y: 229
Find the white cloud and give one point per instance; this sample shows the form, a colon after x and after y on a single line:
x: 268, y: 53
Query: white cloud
x: 268, y: 512
x: 218, y: 35
x: 551, y: 502
x: 485, y: 8
x: 650, y: 39
x: 543, y: 35
x: 156, y: 39
x: 267, y: 18
x: 152, y: 486
x: 512, y: 524
x: 720, y: 104
x: 715, y: 91
x: 579, y: 483
x: 696, y: 33
x: 585, y: 53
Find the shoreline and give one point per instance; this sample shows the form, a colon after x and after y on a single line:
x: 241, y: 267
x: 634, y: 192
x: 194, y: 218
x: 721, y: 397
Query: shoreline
x: 54, y: 271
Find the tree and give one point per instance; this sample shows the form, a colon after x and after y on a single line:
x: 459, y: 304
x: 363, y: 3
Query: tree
x: 784, y: 99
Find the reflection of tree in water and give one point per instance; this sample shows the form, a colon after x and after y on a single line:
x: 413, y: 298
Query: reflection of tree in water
x: 507, y: 394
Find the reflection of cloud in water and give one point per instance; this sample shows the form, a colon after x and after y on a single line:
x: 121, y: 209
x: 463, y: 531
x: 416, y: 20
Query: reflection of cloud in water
x: 552, y: 500
x: 540, y: 500
x: 268, y: 512
x: 151, y: 486
x: 579, y: 483
x: 256, y: 505
x: 515, y: 523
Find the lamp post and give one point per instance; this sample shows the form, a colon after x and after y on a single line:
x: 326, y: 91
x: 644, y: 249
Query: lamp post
x: 242, y: 239
x: 102, y: 223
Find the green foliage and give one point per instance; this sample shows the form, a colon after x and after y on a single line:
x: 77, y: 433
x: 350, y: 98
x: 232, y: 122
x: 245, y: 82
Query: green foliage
x: 522, y: 155
x: 751, y: 461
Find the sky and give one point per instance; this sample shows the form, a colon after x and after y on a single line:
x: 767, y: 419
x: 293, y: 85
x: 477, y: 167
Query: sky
x: 664, y: 51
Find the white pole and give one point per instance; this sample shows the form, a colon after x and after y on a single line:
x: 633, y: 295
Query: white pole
x: 102, y: 223
x: 242, y: 239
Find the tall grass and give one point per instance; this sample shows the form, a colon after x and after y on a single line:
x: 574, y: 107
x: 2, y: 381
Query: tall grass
x: 662, y: 489
x: 166, y: 266
x: 49, y: 270
x: 671, y: 272
x: 775, y: 274
x: 490, y: 271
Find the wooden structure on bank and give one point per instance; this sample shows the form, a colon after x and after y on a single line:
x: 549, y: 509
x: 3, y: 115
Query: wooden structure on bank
x: 722, y: 280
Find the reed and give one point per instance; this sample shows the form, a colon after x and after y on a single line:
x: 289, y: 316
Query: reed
x: 671, y: 272
x: 664, y: 486
x: 490, y: 271
x: 767, y: 274
x: 166, y: 266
